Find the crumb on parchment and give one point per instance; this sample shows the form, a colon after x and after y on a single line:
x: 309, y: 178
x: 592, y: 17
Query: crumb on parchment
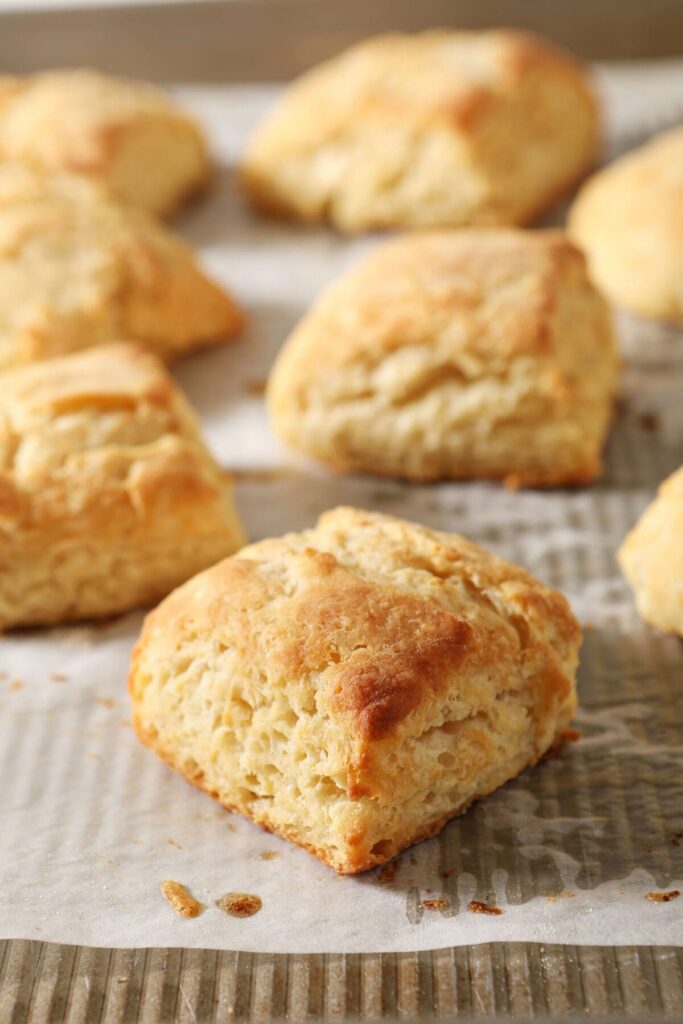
x: 181, y: 900
x: 240, y: 904
x: 477, y: 907
x: 662, y: 897
x: 436, y: 904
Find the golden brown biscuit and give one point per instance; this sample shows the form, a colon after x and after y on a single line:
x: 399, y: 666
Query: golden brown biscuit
x: 108, y: 497
x: 354, y: 686
x: 651, y: 558
x: 628, y: 219
x: 127, y: 136
x: 454, y: 354
x: 442, y: 128
x: 77, y: 271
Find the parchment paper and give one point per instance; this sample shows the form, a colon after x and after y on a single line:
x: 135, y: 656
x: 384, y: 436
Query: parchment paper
x: 91, y: 823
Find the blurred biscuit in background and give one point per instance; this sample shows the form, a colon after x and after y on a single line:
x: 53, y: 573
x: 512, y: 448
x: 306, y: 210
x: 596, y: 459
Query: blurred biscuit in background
x: 78, y: 270
x: 472, y: 353
x: 125, y: 135
x: 442, y: 128
x: 628, y: 219
x: 652, y: 558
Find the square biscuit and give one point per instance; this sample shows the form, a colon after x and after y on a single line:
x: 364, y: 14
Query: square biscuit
x: 454, y: 354
x: 108, y: 497
x: 436, y: 129
x: 126, y: 136
x: 78, y: 270
x: 355, y: 686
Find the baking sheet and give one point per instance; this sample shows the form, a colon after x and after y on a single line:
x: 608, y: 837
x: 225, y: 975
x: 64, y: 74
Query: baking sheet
x: 91, y: 823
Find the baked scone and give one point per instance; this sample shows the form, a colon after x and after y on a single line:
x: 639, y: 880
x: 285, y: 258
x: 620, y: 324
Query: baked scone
x: 77, y: 271
x: 354, y: 686
x: 438, y: 129
x: 651, y: 558
x: 108, y: 497
x: 128, y: 136
x: 472, y: 353
x: 628, y: 218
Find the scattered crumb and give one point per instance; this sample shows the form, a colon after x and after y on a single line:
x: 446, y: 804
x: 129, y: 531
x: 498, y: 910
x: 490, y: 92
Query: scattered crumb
x: 231, y: 828
x: 269, y: 855
x: 447, y: 872
x: 58, y: 677
x: 560, y: 896
x: 676, y: 838
x: 174, y: 842
x: 564, y: 737
x: 649, y: 421
x: 15, y: 685
x: 93, y: 755
x: 257, y: 387
x: 3, y: 675
x: 240, y: 904
x: 106, y: 702
x: 436, y: 904
x: 662, y: 897
x: 387, y: 873
x: 181, y: 900
x: 477, y: 907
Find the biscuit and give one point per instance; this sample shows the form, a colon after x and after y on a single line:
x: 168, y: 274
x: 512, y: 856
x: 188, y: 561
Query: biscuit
x: 108, y: 497
x: 77, y: 271
x: 472, y: 353
x: 355, y: 686
x: 628, y: 218
x: 439, y: 129
x: 651, y: 558
x: 127, y: 136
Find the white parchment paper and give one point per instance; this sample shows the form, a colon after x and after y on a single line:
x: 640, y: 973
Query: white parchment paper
x: 91, y: 823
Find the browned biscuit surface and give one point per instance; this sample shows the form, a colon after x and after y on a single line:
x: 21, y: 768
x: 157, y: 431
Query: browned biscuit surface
x: 354, y: 686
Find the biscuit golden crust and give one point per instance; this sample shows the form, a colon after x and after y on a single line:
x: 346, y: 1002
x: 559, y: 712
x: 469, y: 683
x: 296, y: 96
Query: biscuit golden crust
x: 77, y: 271
x: 126, y: 136
x: 354, y: 686
x: 454, y: 354
x: 437, y: 129
x: 628, y: 218
x: 651, y: 558
x: 108, y: 497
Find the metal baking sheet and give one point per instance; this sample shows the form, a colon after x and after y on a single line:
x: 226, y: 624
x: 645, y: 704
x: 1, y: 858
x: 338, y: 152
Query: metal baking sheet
x: 626, y: 771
